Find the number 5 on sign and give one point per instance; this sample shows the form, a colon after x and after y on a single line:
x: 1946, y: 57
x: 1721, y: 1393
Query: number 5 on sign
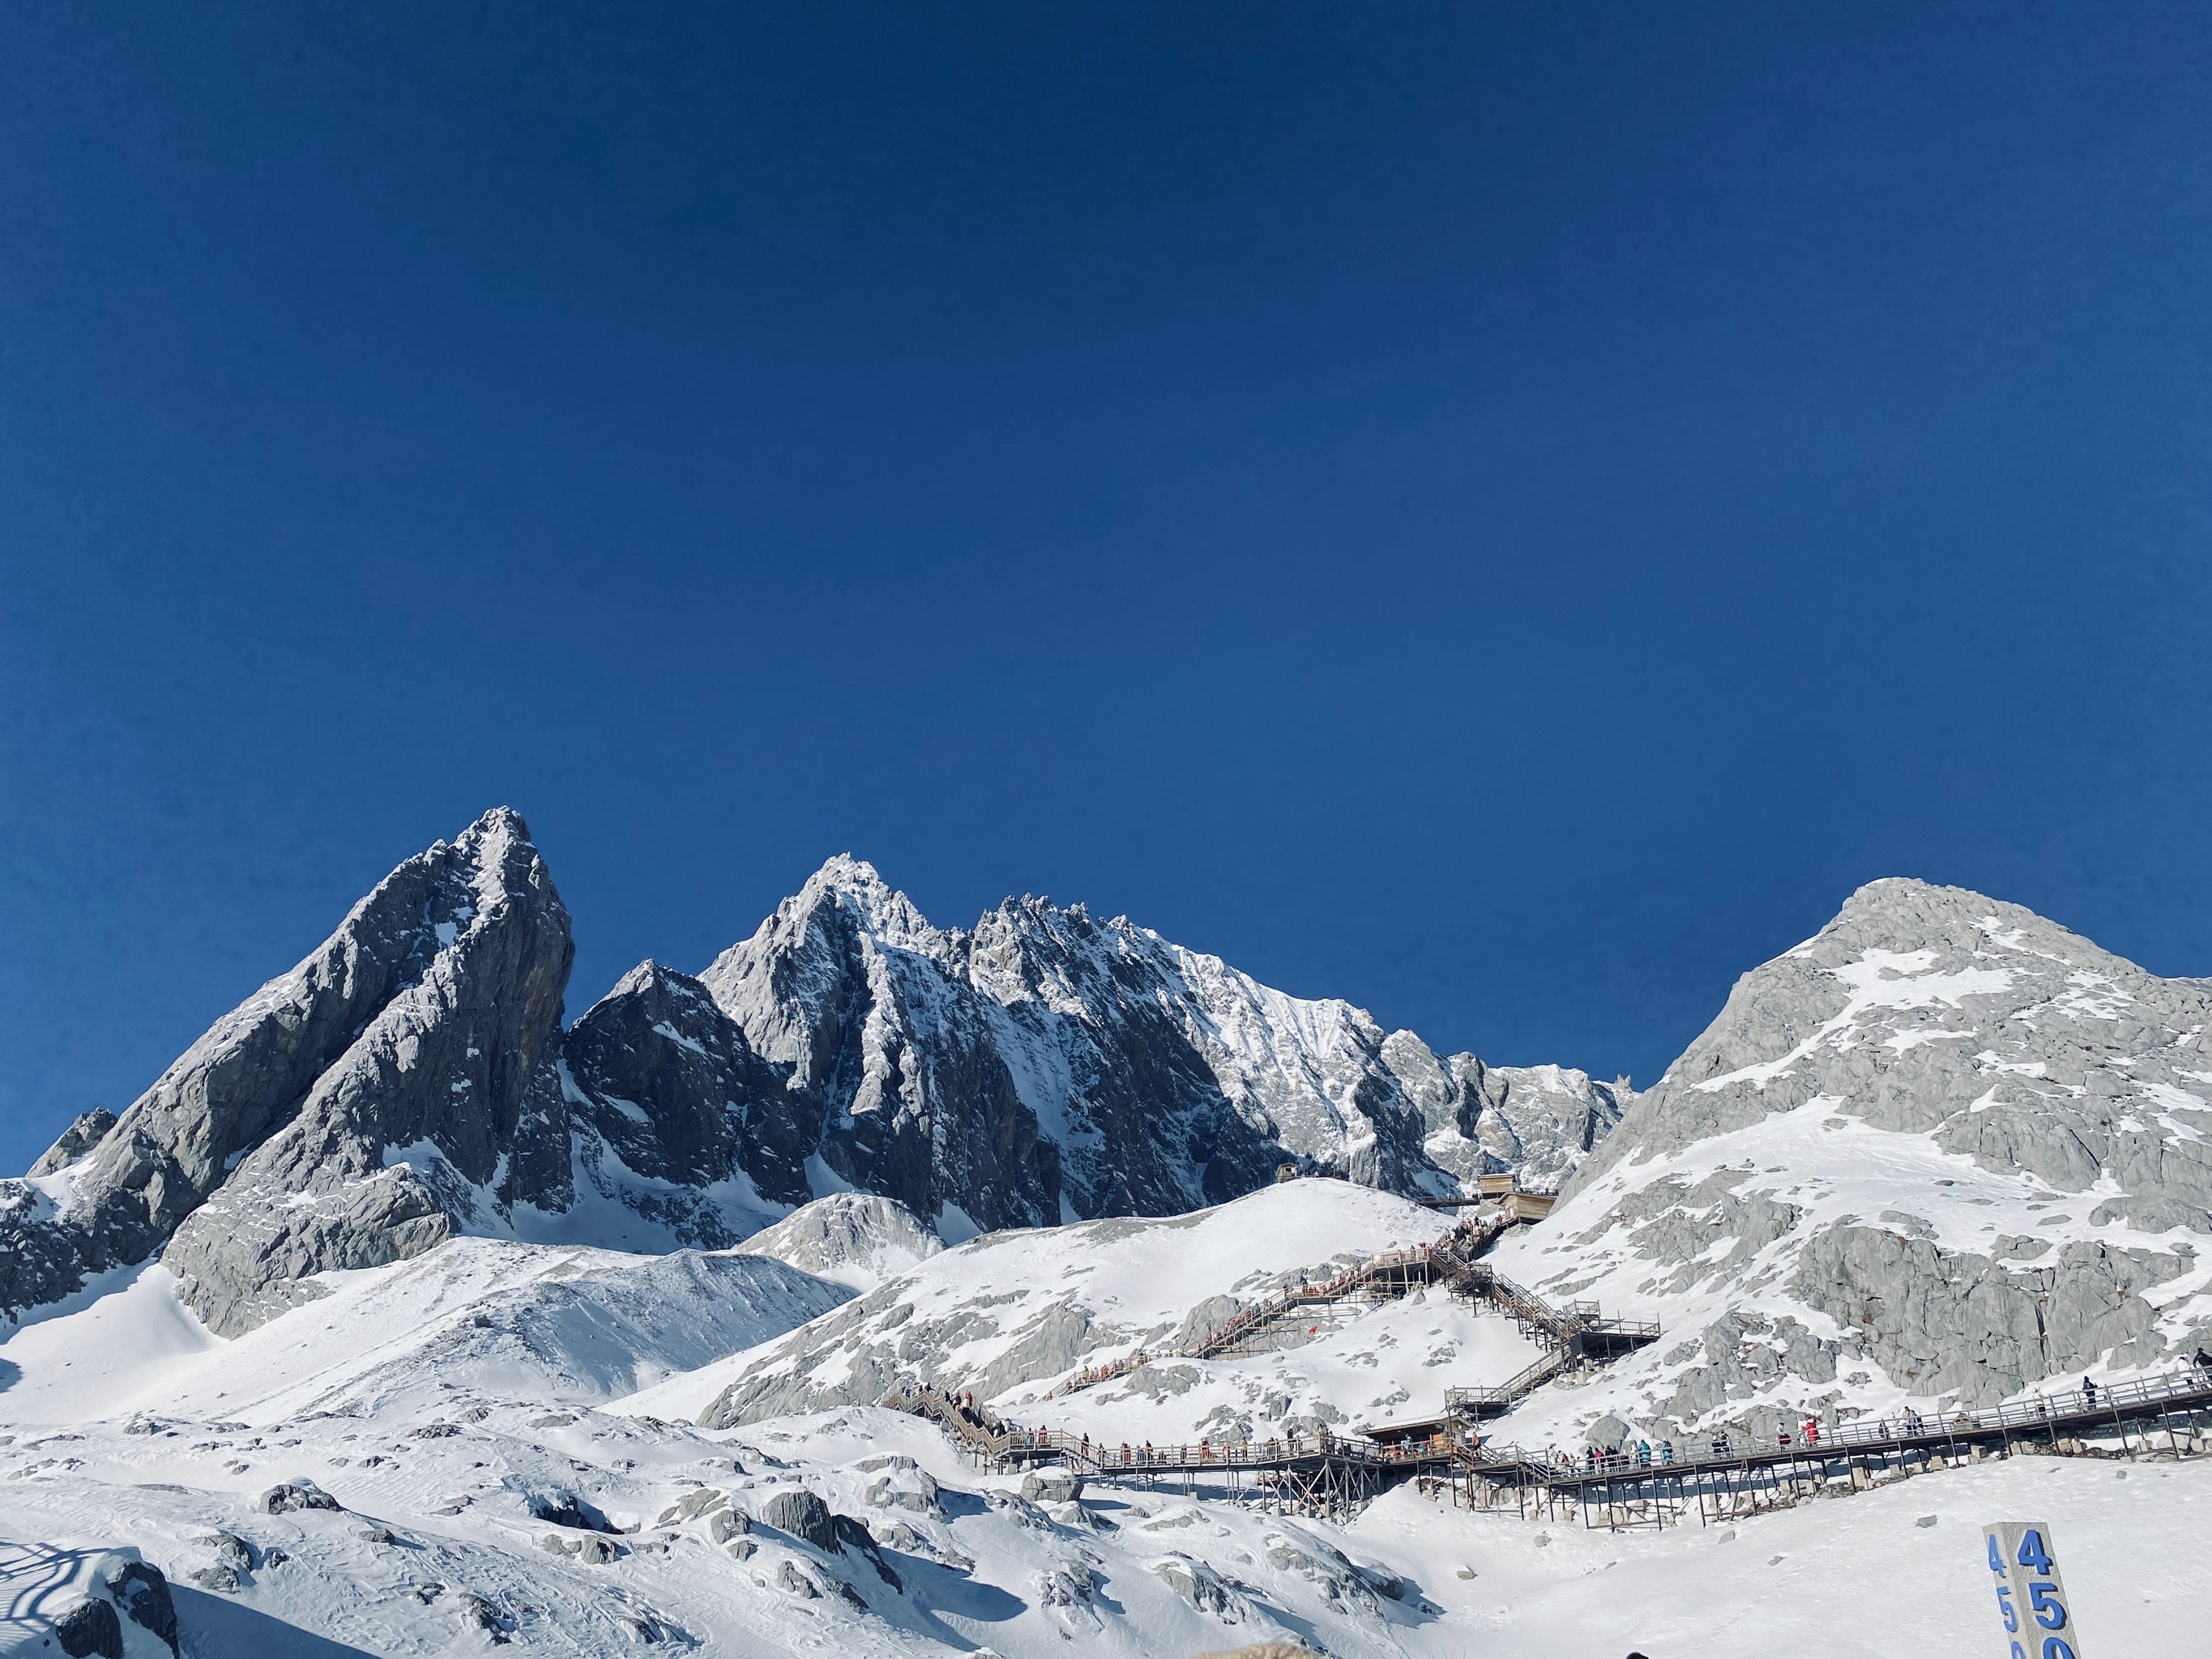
x: 2031, y: 1599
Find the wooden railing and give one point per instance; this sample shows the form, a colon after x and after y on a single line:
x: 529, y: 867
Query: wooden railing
x: 2071, y: 1413
x: 1006, y: 1442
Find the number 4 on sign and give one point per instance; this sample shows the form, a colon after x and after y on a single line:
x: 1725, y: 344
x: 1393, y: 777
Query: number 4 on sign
x: 2031, y: 1600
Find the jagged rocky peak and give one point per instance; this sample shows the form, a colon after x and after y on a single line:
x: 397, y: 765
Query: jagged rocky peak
x: 788, y: 982
x: 343, y: 1114
x: 404, y: 1138
x: 1946, y: 1148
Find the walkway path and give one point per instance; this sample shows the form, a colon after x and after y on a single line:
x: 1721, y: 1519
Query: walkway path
x: 1576, y: 1333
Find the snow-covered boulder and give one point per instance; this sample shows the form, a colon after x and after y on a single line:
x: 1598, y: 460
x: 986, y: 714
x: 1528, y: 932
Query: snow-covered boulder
x: 86, y: 1600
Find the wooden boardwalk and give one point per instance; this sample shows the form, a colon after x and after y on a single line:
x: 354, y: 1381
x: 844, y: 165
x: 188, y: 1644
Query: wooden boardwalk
x: 1577, y: 1333
x: 1643, y: 1485
x: 1726, y: 1474
x: 1722, y: 1475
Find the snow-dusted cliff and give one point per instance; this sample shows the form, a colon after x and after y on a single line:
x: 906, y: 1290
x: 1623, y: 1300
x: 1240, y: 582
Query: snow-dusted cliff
x: 1048, y: 1065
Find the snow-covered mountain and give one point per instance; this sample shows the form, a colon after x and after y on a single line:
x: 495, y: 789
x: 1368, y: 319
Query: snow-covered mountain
x: 382, y: 1096
x: 396, y: 1319
x: 1940, y: 1152
x: 411, y: 1083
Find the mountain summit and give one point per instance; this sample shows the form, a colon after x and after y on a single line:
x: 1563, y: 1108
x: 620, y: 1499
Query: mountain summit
x: 359, y: 1109
x: 1945, y: 1148
x: 1048, y: 1065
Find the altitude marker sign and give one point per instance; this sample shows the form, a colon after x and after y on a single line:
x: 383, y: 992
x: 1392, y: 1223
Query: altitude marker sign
x: 2031, y: 1599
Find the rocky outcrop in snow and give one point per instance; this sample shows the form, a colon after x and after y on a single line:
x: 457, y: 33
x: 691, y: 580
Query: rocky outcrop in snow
x: 1945, y: 1148
x: 1537, y: 1121
x: 855, y: 1239
x: 88, y: 1601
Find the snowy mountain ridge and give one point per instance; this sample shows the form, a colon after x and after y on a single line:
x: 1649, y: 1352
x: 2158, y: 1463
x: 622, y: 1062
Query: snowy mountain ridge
x: 412, y: 1082
x: 1123, y: 1072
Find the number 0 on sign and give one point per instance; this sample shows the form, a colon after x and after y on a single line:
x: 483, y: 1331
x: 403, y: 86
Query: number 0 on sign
x: 2031, y: 1600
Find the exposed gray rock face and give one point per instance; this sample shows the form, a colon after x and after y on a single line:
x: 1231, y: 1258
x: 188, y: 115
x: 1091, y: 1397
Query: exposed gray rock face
x: 415, y: 1030
x: 1048, y: 1065
x: 662, y: 1078
x: 803, y: 1516
x: 398, y: 1144
x: 1945, y: 1148
x: 1537, y: 1123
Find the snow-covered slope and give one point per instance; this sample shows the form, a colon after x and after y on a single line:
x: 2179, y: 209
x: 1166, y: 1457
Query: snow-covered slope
x: 1945, y: 1148
x: 436, y: 1551
x: 1026, y: 1307
x: 482, y: 1316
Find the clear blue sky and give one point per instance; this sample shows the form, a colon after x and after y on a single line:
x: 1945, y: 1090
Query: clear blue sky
x: 1505, y: 513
